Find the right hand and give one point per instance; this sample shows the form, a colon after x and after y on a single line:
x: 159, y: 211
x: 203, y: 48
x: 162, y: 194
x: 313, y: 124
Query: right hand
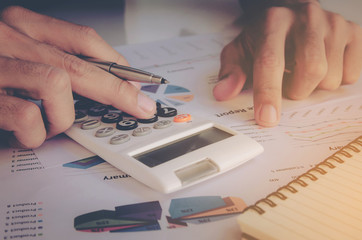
x: 37, y: 61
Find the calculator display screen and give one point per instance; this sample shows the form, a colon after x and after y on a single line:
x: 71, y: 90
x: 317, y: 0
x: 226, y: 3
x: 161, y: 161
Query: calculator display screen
x: 167, y: 152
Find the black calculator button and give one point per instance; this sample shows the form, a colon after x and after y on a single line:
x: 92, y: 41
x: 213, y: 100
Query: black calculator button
x: 149, y: 120
x: 112, y: 117
x: 167, y: 112
x: 98, y: 110
x: 127, y: 124
x: 84, y: 104
x: 80, y: 116
x: 111, y: 108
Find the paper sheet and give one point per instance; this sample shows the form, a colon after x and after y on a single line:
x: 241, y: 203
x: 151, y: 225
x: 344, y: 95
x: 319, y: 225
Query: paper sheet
x: 62, y: 191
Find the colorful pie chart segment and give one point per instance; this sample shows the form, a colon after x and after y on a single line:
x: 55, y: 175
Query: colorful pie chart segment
x: 169, y: 95
x: 127, y: 218
x: 203, y: 209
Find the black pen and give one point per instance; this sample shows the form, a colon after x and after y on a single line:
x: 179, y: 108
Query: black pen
x: 126, y: 73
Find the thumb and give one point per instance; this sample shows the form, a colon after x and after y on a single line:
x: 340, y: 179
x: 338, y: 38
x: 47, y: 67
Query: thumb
x: 231, y: 75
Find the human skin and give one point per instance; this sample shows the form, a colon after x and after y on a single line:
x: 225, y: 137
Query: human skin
x: 38, y: 61
x: 290, y: 51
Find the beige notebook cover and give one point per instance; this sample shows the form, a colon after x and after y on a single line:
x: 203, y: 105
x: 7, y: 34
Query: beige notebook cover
x: 323, y: 203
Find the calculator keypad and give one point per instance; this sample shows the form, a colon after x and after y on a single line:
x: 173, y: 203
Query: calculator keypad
x: 121, y: 127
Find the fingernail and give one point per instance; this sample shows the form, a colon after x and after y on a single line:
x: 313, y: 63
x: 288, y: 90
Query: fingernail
x: 146, y: 104
x: 268, y: 114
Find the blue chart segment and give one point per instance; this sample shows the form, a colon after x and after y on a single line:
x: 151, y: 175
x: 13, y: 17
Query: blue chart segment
x: 85, y: 163
x: 168, y: 95
x: 127, y: 218
x: 203, y: 209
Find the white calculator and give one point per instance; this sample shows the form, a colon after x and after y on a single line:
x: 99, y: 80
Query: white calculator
x: 167, y: 152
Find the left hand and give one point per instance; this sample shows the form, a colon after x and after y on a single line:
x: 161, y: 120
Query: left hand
x: 318, y: 49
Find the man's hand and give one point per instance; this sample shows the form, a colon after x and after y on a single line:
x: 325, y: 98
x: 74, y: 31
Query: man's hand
x: 37, y: 61
x: 292, y: 50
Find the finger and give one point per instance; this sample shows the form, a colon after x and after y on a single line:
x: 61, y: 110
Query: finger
x: 42, y: 82
x: 72, y: 38
x: 310, y: 55
x: 232, y: 77
x: 22, y: 121
x: 335, y: 43
x: 269, y: 66
x: 353, y: 55
x: 86, y: 79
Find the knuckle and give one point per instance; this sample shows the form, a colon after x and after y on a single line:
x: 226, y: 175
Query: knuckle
x: 87, y: 34
x: 267, y: 90
x: 120, y: 88
x: 356, y: 31
x: 268, y: 59
x: 314, y: 71
x: 75, y: 66
x: 26, y: 115
x: 57, y: 81
x: 275, y: 13
x: 310, y: 8
x: 7, y: 34
x: 336, y: 22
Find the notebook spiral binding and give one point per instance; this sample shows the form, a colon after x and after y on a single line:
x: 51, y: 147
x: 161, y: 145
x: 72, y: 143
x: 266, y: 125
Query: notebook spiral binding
x: 354, y: 146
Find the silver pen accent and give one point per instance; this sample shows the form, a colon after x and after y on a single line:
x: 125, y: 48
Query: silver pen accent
x: 126, y: 73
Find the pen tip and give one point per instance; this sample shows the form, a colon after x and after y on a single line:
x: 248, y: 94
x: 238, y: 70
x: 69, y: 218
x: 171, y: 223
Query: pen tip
x: 164, y: 81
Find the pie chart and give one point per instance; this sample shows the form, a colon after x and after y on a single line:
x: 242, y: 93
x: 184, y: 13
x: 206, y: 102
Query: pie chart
x: 168, y: 95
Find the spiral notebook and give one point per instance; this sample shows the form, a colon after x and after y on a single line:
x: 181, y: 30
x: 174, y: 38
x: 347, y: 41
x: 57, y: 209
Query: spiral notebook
x: 323, y: 203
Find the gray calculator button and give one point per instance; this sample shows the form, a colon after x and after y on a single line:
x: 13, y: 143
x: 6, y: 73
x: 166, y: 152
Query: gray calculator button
x: 119, y: 139
x: 90, y: 124
x: 142, y: 131
x: 162, y: 124
x: 105, y: 132
x: 80, y: 116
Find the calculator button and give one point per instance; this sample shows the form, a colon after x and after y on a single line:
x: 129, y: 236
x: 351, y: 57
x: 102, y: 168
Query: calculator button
x: 98, y: 110
x: 167, y: 112
x: 105, y: 132
x: 182, y: 118
x: 110, y: 107
x: 84, y: 103
x: 90, y: 124
x: 112, y: 117
x: 119, y: 139
x: 80, y: 116
x: 149, y: 120
x: 162, y: 124
x: 127, y: 124
x: 142, y: 131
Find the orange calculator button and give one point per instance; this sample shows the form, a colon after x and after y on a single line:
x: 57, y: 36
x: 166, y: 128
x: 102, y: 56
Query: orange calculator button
x: 182, y: 118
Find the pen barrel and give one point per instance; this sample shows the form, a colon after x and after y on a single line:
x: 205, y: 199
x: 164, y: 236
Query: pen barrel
x: 132, y: 74
x: 125, y: 72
